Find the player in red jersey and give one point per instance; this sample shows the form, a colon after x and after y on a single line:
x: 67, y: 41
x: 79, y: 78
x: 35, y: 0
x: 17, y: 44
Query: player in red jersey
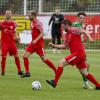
x: 77, y: 56
x: 36, y: 45
x: 8, y: 38
x: 81, y: 19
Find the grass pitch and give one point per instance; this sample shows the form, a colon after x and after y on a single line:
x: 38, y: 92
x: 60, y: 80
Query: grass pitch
x: 12, y: 87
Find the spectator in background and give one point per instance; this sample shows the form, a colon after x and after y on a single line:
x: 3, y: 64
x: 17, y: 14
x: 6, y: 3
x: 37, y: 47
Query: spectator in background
x: 56, y: 20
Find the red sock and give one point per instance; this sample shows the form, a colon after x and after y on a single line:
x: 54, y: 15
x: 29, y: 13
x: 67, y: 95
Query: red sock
x: 17, y: 62
x: 26, y: 64
x: 50, y: 64
x: 58, y: 74
x: 3, y: 64
x: 91, y: 78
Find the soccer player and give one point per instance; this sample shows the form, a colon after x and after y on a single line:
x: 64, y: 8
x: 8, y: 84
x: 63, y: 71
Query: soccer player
x: 36, y: 45
x: 81, y: 17
x: 77, y: 56
x: 0, y: 43
x: 56, y: 20
x: 8, y: 44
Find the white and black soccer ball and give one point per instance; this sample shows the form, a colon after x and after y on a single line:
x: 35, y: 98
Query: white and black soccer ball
x: 36, y: 85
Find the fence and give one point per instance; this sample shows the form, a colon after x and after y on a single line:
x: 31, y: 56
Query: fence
x: 68, y: 7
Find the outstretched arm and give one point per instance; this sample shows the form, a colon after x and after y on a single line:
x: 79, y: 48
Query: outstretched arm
x: 87, y: 34
x: 60, y: 46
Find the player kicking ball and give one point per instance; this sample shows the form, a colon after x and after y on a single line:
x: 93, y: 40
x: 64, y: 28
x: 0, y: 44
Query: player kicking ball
x: 36, y: 45
x: 77, y: 56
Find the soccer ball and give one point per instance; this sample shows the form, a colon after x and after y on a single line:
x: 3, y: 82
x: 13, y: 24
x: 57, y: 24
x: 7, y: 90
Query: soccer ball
x: 36, y: 85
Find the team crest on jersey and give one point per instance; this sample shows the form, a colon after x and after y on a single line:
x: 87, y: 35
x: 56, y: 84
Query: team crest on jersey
x: 56, y: 20
x: 11, y: 27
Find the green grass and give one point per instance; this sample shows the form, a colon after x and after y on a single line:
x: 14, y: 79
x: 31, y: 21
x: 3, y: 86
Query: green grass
x: 69, y: 88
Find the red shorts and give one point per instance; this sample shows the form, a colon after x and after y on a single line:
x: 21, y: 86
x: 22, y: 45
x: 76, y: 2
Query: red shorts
x: 77, y: 59
x: 11, y: 49
x: 31, y: 49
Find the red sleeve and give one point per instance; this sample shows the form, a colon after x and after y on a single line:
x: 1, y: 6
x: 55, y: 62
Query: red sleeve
x: 39, y: 26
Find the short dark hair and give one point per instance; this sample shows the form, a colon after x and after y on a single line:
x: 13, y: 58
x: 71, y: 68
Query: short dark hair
x: 81, y: 13
x: 33, y: 12
x: 67, y: 22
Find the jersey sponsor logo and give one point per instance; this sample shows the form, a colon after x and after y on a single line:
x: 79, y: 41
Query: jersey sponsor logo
x: 11, y: 27
x: 56, y: 20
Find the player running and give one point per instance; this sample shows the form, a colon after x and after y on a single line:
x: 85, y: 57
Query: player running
x: 81, y: 17
x: 36, y: 45
x: 77, y: 56
x: 8, y: 38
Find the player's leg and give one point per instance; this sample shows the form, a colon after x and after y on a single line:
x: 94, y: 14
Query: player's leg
x: 4, y: 50
x: 71, y: 59
x: 29, y: 50
x: 53, y: 39
x: 26, y: 63
x: 50, y: 64
x: 53, y: 35
x: 17, y: 62
x: 3, y: 65
x: 13, y: 51
x: 86, y: 84
x: 58, y: 39
x: 90, y: 77
x: 59, y: 72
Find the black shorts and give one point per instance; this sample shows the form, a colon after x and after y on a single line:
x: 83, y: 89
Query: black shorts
x: 56, y: 32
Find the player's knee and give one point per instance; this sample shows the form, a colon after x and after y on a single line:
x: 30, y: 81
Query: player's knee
x: 26, y: 55
x: 61, y: 63
x: 43, y: 59
x: 84, y: 72
x: 3, y: 59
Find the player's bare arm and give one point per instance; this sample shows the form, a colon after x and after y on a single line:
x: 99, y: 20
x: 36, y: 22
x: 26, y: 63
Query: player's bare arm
x: 16, y: 37
x: 60, y: 46
x: 87, y: 34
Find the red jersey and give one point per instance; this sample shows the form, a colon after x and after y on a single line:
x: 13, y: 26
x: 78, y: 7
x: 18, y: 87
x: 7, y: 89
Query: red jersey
x: 7, y: 31
x: 73, y: 40
x: 36, y: 29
